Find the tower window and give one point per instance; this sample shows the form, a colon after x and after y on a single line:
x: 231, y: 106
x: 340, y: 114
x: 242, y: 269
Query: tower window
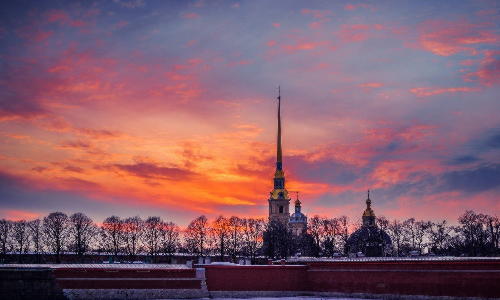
x: 281, y: 209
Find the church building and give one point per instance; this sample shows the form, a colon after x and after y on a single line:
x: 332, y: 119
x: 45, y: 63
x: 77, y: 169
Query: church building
x: 279, y: 199
x: 369, y: 240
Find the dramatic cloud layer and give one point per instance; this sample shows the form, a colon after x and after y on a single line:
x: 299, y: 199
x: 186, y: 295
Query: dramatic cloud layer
x: 168, y: 108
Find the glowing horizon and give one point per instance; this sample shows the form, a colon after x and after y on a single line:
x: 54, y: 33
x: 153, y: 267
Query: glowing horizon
x: 168, y: 108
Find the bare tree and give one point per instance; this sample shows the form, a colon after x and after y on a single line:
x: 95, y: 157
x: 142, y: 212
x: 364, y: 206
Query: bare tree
x: 133, y: 229
x: 330, y: 231
x: 421, y: 232
x: 82, y: 230
x: 20, y: 236
x: 153, y: 235
x: 55, y: 228
x: 396, y: 232
x: 5, y: 227
x: 439, y: 236
x: 253, y: 230
x: 171, y: 238
x: 494, y: 230
x: 196, y: 235
x: 220, y: 232
x: 235, y: 236
x: 112, y: 230
x: 315, y: 229
x: 35, y: 232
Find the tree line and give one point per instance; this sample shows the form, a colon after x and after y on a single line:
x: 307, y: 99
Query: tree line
x: 231, y: 237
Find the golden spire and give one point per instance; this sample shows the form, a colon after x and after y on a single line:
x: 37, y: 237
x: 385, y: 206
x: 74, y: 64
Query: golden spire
x: 278, y: 144
x: 368, y: 211
x: 279, y: 190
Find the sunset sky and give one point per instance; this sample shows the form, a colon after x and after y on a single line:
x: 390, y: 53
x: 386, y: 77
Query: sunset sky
x: 168, y: 108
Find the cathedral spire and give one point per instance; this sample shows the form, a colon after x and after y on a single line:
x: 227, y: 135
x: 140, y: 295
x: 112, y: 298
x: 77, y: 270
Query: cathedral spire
x: 368, y: 201
x: 368, y: 214
x: 279, y: 163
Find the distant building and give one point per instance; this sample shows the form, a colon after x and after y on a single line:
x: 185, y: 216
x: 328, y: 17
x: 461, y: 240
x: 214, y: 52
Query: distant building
x: 369, y: 239
x: 298, y: 221
x: 279, y: 200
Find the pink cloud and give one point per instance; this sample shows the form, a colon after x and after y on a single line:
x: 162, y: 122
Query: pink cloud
x: 350, y: 6
x: 276, y: 25
x: 427, y: 91
x: 271, y: 43
x: 317, y: 13
x: 191, y: 15
x: 57, y: 16
x: 17, y: 215
x: 62, y: 17
x: 320, y: 16
x: 371, y: 85
x: 446, y: 38
x: 357, y: 32
x: 488, y: 72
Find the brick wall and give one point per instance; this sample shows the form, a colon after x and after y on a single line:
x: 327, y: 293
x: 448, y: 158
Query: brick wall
x: 454, y: 278
x: 256, y: 278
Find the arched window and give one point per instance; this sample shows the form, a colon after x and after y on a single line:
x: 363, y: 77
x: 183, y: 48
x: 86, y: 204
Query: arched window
x: 281, y: 209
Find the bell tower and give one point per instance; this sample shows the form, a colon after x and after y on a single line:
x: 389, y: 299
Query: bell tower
x: 279, y: 202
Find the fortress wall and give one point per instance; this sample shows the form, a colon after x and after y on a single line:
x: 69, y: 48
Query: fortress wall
x: 426, y: 278
x: 445, y: 278
x: 395, y: 279
x: 256, y: 278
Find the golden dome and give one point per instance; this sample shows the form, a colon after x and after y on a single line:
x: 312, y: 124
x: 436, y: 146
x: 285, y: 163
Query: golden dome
x: 368, y: 213
x: 275, y: 194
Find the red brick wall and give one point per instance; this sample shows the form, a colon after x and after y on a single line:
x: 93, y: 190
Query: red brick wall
x: 443, y: 278
x: 91, y: 278
x: 452, y: 278
x: 256, y: 278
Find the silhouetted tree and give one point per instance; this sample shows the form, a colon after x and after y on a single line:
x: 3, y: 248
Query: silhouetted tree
x: 196, y: 235
x: 81, y: 230
x: 20, y: 236
x: 235, y: 237
x: 439, y: 235
x: 396, y: 232
x: 475, y: 232
x: 153, y: 236
x: 35, y: 232
x: 315, y: 230
x: 5, y: 228
x: 55, y: 229
x: 112, y: 231
x: 220, y: 232
x: 278, y: 240
x: 253, y: 230
x: 171, y: 238
x: 133, y: 229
